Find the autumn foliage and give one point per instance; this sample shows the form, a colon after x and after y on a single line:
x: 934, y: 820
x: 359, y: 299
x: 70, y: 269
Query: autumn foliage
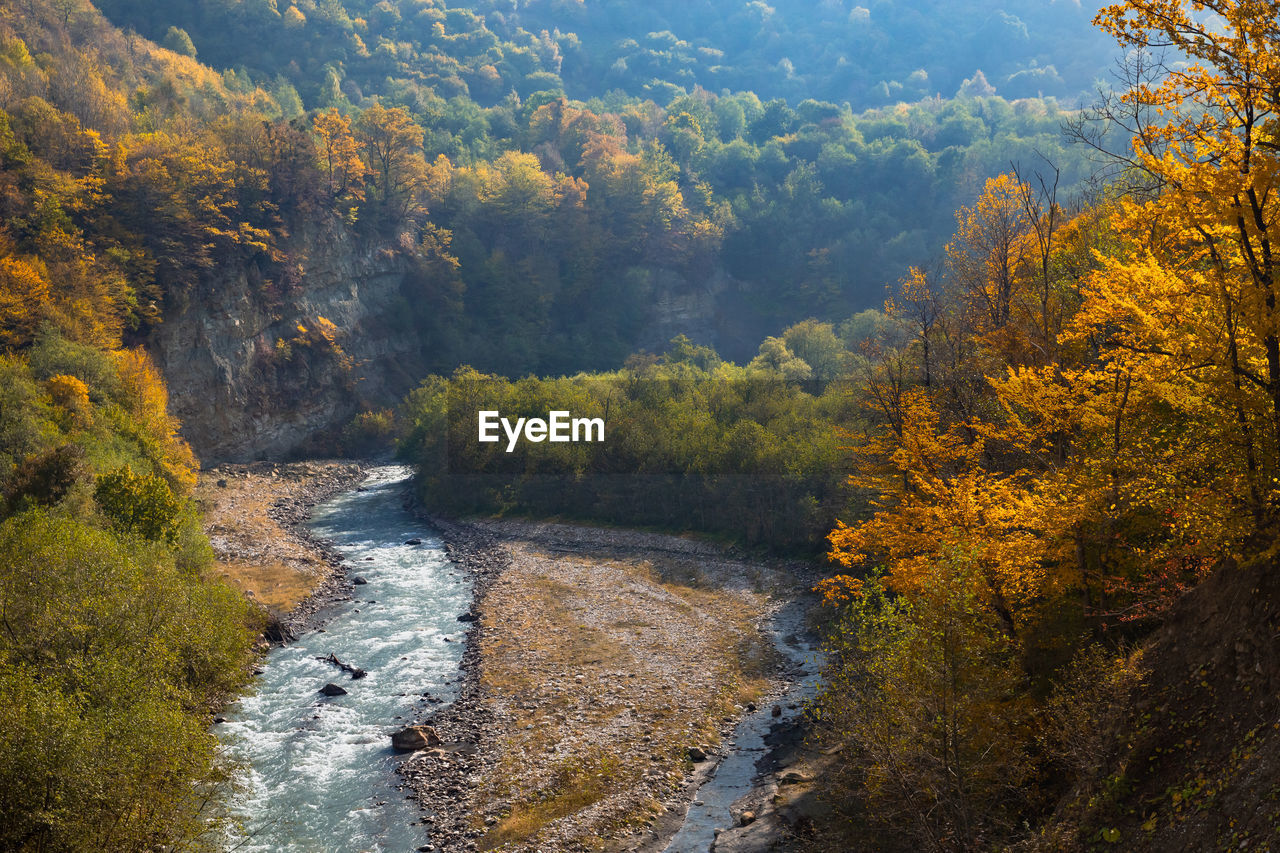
x: 1084, y: 422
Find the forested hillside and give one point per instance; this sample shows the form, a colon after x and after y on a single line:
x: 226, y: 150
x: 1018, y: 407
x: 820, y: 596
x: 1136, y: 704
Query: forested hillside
x: 838, y: 50
x: 779, y: 209
x: 1064, y: 417
x: 261, y: 229
x: 835, y: 50
x: 116, y: 642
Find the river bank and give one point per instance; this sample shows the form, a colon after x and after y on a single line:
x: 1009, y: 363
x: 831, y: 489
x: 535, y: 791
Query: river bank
x: 255, y: 517
x: 603, y: 673
x: 601, y: 670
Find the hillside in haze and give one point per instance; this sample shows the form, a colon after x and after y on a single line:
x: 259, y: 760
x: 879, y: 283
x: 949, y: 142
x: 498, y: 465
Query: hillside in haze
x: 809, y: 204
x: 866, y: 54
x: 299, y: 163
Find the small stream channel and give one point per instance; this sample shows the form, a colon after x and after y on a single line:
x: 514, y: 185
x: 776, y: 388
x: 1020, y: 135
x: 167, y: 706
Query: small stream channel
x: 320, y: 771
x: 734, y: 775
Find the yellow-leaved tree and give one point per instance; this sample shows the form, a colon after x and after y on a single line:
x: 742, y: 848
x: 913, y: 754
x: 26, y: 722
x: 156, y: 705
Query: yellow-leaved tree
x: 147, y: 400
x: 1192, y: 300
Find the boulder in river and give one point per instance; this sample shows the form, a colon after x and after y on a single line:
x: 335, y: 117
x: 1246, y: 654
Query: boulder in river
x: 469, y: 616
x: 414, y: 541
x: 332, y: 689
x: 413, y: 738
x: 359, y: 581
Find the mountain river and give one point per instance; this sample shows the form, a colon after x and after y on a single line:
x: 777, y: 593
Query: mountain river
x: 319, y: 772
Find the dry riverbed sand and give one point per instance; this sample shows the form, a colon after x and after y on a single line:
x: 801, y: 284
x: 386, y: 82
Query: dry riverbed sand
x: 254, y: 518
x: 603, y: 672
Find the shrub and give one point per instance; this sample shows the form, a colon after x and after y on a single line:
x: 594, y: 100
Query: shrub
x: 44, y: 479
x: 928, y: 697
x: 141, y: 504
x: 109, y: 663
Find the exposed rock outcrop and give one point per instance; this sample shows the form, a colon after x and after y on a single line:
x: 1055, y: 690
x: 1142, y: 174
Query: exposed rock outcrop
x: 262, y: 358
x: 253, y: 369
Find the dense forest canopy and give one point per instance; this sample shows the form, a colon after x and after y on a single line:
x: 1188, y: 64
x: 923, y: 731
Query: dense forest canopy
x: 795, y: 203
x: 835, y: 50
x: 752, y: 453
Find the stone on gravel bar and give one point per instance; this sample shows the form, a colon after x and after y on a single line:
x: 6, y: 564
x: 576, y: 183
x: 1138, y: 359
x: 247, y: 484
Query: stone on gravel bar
x: 413, y: 738
x: 794, y: 777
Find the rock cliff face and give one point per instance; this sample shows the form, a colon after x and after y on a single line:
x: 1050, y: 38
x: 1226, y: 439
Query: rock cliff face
x: 255, y: 373
x: 682, y: 307
x: 260, y: 362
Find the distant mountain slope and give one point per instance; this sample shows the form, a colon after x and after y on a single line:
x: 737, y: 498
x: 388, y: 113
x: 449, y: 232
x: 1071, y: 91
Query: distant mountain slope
x: 220, y: 215
x: 819, y: 206
x: 865, y: 52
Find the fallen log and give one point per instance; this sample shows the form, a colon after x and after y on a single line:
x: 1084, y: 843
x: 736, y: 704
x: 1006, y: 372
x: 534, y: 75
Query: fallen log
x: 356, y: 672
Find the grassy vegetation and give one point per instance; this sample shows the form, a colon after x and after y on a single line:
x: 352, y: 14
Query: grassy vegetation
x: 575, y: 784
x: 274, y: 584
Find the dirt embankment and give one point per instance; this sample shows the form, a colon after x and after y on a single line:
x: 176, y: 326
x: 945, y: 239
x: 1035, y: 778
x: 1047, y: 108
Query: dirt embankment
x: 1195, y: 763
x: 603, y: 672
x: 254, y: 518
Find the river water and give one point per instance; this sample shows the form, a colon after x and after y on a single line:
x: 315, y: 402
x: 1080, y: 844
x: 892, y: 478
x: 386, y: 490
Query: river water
x: 320, y: 771
x: 733, y: 777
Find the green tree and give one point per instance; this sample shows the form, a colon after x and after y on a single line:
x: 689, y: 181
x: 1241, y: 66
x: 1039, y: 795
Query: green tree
x: 928, y: 694
x: 817, y: 345
x: 777, y: 357
x: 177, y: 40
x: 141, y: 504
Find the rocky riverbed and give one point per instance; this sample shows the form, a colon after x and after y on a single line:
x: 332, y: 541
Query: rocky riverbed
x: 255, y: 518
x: 601, y: 675
x: 603, y: 671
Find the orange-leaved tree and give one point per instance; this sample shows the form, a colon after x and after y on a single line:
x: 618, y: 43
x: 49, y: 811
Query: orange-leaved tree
x: 1195, y: 294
